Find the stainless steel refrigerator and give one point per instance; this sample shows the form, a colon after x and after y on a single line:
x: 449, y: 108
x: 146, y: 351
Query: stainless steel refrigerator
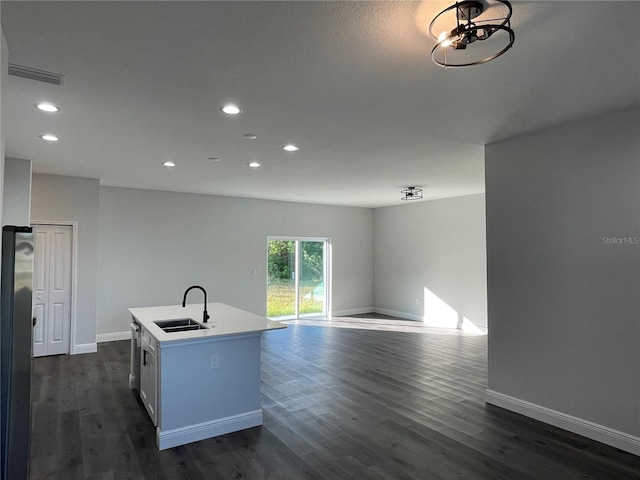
x: 16, y: 350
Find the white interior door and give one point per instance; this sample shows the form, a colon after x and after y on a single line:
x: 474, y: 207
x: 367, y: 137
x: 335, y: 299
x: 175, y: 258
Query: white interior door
x: 52, y: 289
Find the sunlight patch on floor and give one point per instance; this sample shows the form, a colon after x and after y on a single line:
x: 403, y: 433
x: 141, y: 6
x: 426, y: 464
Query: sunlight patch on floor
x: 389, y: 325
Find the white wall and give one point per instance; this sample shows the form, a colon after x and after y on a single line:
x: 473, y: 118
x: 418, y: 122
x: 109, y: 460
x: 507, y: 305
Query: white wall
x: 430, y: 257
x: 17, y: 192
x: 4, y: 63
x: 4, y: 74
x: 153, y: 245
x: 562, y: 294
x: 68, y: 199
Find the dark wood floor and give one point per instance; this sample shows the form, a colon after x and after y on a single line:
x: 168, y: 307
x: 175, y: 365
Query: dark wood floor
x: 339, y: 403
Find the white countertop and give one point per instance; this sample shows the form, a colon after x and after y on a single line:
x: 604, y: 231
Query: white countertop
x: 225, y: 320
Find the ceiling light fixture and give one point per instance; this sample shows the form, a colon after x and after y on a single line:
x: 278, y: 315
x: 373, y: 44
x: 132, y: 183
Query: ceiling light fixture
x: 462, y: 24
x: 47, y: 107
x: 214, y: 159
x: 291, y: 148
x: 253, y: 164
x: 231, y: 109
x: 169, y: 164
x: 49, y: 137
x: 411, y: 193
x: 249, y: 136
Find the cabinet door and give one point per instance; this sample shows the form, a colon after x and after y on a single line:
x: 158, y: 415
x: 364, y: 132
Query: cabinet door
x: 144, y: 376
x: 152, y: 398
x: 149, y: 377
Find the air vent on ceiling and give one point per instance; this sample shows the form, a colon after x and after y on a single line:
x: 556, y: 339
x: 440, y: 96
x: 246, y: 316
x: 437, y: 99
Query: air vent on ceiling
x: 33, y: 74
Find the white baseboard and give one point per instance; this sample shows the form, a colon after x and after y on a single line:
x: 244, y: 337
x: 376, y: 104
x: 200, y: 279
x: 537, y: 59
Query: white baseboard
x: 419, y: 318
x: 194, y: 433
x: 351, y: 311
x: 126, y: 335
x: 84, y: 348
x: 395, y: 313
x: 113, y: 337
x: 594, y: 431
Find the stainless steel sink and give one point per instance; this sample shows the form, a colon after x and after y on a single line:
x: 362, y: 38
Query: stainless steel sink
x: 179, y: 325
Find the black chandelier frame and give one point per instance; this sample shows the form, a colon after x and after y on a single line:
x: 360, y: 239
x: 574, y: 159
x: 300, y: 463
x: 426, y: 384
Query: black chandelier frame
x: 411, y: 193
x: 466, y: 31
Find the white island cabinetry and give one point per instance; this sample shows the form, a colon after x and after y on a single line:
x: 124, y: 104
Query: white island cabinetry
x: 149, y: 375
x: 208, y: 380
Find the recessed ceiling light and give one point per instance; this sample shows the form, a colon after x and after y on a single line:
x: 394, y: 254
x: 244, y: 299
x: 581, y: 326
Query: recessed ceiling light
x: 47, y: 107
x: 49, y: 137
x: 231, y: 109
x: 169, y: 164
x: 214, y: 159
x: 249, y: 136
x: 291, y: 148
x: 253, y: 164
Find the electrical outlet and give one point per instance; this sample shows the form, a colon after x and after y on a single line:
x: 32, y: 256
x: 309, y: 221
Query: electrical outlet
x: 214, y: 361
x: 417, y: 301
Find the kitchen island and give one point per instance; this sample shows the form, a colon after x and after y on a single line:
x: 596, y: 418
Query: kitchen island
x: 202, y: 382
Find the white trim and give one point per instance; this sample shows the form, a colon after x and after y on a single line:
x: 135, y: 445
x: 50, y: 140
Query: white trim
x: 394, y: 313
x: 85, y: 348
x: 481, y: 328
x: 352, y: 311
x: 221, y: 426
x: 113, y: 337
x: 73, y: 348
x: 296, y: 281
x: 328, y: 278
x: 420, y: 318
x: 594, y: 431
x: 30, y: 187
x: 126, y: 335
x: 304, y: 239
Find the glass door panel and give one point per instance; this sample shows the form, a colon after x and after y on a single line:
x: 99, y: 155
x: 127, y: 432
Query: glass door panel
x: 311, y: 288
x: 281, y: 282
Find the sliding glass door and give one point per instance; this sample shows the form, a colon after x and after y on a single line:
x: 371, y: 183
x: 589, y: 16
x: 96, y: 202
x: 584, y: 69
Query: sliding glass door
x: 297, y: 282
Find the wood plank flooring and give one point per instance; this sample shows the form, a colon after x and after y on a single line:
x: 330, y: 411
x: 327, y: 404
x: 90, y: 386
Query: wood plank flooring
x: 339, y: 403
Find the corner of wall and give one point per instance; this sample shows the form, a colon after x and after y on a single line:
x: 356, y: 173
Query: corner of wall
x: 562, y: 248
x: 4, y: 73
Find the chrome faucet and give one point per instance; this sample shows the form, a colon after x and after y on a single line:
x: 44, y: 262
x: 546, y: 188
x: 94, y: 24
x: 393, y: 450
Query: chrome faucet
x: 205, y: 315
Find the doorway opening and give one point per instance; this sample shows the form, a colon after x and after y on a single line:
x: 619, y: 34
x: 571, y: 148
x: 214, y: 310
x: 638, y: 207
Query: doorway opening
x: 297, y: 277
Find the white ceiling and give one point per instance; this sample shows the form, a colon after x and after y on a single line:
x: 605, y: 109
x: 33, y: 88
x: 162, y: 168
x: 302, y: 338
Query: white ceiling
x: 351, y: 83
